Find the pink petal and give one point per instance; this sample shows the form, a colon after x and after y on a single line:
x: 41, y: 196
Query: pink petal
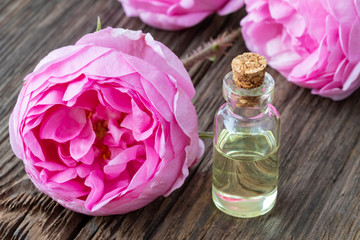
x: 32, y: 123
x: 162, y: 144
x: 153, y: 76
x: 143, y: 56
x: 115, y: 130
x: 201, y: 149
x: 95, y: 181
x: 354, y: 41
x: 314, y: 14
x: 118, y: 100
x: 66, y: 191
x: 139, y: 179
x: 182, y: 174
x: 52, y: 58
x: 104, y: 110
x: 52, y: 96
x: 64, y: 155
x: 51, y: 166
x: 121, y: 184
x: 152, y: 161
x: 117, y: 165
x: 88, y: 100
x: 57, y: 55
x: 353, y: 79
x: 15, y: 143
x: 88, y: 158
x: 159, y: 102
x: 71, y: 64
x: 357, y: 5
x: 39, y: 110
x: 64, y: 176
x: 111, y: 65
x: 231, y: 6
x: 185, y: 114
x: 181, y: 76
x: 81, y: 144
x: 280, y: 9
x: 310, y: 64
x: 167, y: 175
x: 62, y: 124
x: 166, y: 22
x: 44, y: 175
x: 340, y: 73
x: 344, y: 37
x: 344, y: 12
x: 139, y: 122
x: 178, y: 138
x: 83, y: 170
x: 75, y: 87
x: 33, y: 144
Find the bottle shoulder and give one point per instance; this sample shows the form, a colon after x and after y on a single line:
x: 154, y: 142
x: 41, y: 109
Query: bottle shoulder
x: 265, y: 123
x: 270, y: 114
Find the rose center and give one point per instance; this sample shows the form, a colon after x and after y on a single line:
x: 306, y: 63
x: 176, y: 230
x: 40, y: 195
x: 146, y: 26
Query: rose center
x: 101, y: 128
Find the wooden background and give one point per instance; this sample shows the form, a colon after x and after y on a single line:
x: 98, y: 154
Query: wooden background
x: 319, y: 185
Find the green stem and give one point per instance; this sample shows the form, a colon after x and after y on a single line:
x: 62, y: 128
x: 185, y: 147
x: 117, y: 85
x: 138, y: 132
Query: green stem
x: 206, y: 134
x: 98, y: 26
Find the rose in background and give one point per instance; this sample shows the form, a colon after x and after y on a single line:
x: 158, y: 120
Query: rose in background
x: 315, y: 44
x: 107, y: 125
x: 177, y: 14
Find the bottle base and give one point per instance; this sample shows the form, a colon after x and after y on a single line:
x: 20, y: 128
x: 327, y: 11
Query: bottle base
x: 244, y: 207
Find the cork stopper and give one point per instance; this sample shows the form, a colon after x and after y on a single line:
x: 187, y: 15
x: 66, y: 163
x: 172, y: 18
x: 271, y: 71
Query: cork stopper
x: 248, y: 70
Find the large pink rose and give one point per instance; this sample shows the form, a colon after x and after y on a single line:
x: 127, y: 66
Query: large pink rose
x: 107, y: 125
x: 177, y: 14
x: 315, y: 44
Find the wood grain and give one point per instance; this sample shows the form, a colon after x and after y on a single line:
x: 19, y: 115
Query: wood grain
x: 319, y: 185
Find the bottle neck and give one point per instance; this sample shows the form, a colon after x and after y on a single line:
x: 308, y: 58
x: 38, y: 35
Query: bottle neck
x: 247, y: 112
x: 248, y: 103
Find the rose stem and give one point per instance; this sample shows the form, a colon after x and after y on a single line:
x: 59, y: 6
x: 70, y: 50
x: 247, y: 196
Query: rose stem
x: 206, y: 134
x: 212, y: 48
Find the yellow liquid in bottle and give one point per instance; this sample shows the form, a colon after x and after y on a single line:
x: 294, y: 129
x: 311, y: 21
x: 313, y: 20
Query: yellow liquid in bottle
x: 245, y: 173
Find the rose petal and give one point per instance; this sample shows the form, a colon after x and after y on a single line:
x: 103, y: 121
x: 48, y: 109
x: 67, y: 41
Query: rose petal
x: 115, y: 130
x: 63, y: 124
x: 81, y: 144
x: 83, y: 170
x: 117, y: 165
x: 139, y: 122
x: 95, y: 181
x: 231, y: 6
x: 344, y: 12
x: 354, y: 41
x: 64, y: 156
x: 51, y: 166
x: 88, y: 158
x: 33, y: 144
x: 75, y: 87
x: 64, y: 176
x: 118, y: 100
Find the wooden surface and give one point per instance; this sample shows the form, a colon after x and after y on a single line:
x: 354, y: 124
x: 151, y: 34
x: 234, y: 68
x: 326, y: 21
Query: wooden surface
x: 319, y: 185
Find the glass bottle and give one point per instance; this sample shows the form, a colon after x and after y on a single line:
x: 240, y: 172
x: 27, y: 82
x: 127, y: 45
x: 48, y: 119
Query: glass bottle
x: 246, y: 149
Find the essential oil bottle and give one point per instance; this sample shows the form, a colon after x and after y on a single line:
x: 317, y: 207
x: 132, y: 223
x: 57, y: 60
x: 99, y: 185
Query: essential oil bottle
x: 246, y: 141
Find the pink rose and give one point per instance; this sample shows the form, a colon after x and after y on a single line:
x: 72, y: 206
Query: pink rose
x: 107, y: 125
x: 177, y: 14
x: 315, y: 44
